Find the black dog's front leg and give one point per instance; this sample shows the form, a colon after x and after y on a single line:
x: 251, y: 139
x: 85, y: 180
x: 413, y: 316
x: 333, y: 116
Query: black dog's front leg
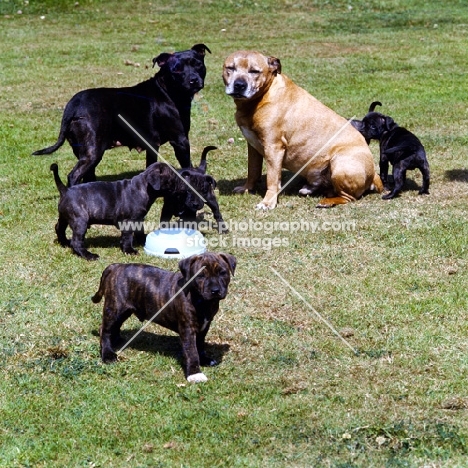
x: 182, y: 151
x: 152, y: 155
x: 214, y: 207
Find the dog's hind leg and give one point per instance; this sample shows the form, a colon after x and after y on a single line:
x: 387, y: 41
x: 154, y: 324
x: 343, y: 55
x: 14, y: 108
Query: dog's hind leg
x: 399, y: 177
x: 110, y: 331
x: 60, y: 230
x: 84, y: 169
x: 77, y: 241
x: 348, y: 185
x: 424, y: 168
x: 126, y: 243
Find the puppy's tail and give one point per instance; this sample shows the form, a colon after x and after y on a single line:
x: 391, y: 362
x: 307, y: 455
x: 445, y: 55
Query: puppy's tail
x: 102, y: 285
x: 202, y: 165
x: 61, y: 187
x: 372, y: 106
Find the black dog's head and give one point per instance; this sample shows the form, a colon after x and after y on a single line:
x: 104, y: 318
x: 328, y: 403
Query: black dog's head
x: 374, y: 124
x: 213, y: 274
x: 198, y: 188
x: 183, y: 71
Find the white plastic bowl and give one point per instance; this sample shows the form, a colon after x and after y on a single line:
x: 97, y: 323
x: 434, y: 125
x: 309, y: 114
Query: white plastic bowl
x: 175, y: 243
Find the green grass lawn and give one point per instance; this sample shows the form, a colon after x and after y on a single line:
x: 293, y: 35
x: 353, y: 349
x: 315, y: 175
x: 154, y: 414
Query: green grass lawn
x: 287, y: 392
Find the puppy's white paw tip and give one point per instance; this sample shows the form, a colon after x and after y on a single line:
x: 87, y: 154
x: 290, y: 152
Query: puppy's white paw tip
x: 304, y: 192
x: 262, y: 206
x: 197, y: 378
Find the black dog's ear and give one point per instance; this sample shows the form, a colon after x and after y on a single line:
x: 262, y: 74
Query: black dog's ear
x: 389, y: 123
x: 185, y: 173
x: 161, y: 59
x: 201, y: 49
x: 275, y: 64
x: 210, y: 180
x: 230, y: 260
x: 357, y: 124
x: 154, y: 176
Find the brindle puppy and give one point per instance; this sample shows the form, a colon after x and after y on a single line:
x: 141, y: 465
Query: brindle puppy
x: 184, y: 302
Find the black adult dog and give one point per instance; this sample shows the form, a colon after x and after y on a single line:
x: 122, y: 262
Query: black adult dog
x: 398, y: 146
x: 124, y: 203
x: 175, y: 205
x: 158, y: 109
x: 155, y: 294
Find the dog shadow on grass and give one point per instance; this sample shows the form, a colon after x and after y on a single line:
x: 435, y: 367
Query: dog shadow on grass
x: 115, y: 177
x: 457, y: 175
x: 166, y: 345
x: 289, y: 180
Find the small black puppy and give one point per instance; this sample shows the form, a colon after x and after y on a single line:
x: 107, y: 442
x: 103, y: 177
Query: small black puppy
x: 398, y: 146
x: 154, y: 294
x: 158, y: 109
x: 123, y: 204
x: 175, y: 205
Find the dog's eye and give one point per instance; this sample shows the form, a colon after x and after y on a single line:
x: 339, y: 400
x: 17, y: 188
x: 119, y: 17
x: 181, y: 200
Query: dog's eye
x: 230, y: 68
x: 255, y: 72
x: 222, y: 272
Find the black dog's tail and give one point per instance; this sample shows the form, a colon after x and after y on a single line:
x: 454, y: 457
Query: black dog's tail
x: 372, y: 106
x: 202, y: 165
x: 58, y: 182
x: 60, y: 141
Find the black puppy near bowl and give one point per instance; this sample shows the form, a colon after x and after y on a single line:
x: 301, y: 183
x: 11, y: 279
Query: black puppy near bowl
x: 398, y: 146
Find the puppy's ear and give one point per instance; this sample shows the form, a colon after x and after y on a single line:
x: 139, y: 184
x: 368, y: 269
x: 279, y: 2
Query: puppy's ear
x: 201, y: 49
x: 211, y: 181
x: 185, y: 267
x: 275, y: 64
x: 230, y: 260
x: 154, y: 176
x: 389, y: 123
x: 357, y: 124
x: 161, y: 59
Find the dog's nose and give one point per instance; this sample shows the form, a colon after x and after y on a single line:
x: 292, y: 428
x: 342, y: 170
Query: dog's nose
x: 240, y: 86
x: 215, y: 290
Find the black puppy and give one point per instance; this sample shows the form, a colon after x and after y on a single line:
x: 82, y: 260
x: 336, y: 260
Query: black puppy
x: 155, y: 294
x: 123, y: 204
x: 357, y: 124
x: 158, y: 109
x: 398, y: 146
x: 175, y: 205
